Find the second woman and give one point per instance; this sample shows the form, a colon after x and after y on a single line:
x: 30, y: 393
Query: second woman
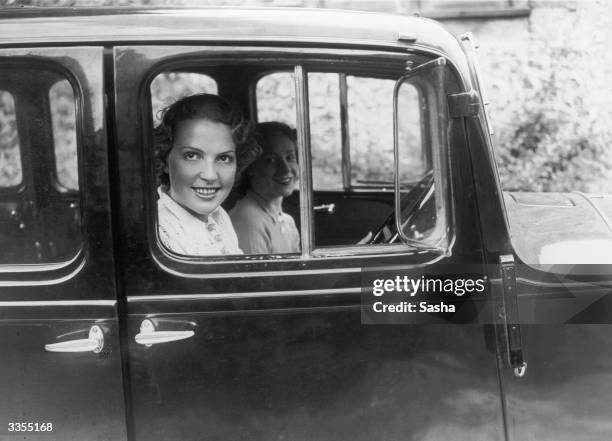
x: 261, y: 225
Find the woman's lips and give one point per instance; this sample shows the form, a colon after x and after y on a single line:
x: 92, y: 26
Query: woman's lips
x: 206, y: 192
x: 284, y: 180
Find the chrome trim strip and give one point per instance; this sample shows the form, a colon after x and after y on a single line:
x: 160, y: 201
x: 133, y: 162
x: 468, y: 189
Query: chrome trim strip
x: 345, y: 131
x: 255, y: 273
x: 5, y: 283
x: 243, y: 295
x: 41, y: 267
x: 60, y: 303
x: 563, y: 284
x: 303, y: 128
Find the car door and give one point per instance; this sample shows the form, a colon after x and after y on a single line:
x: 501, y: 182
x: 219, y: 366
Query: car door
x: 261, y: 347
x: 60, y: 374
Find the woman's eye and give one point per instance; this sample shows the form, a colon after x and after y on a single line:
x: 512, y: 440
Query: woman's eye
x: 226, y: 159
x: 191, y: 156
x: 291, y: 158
x: 270, y: 159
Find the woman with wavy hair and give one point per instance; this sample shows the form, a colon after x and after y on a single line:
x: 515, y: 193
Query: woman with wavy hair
x: 261, y: 224
x: 202, y: 144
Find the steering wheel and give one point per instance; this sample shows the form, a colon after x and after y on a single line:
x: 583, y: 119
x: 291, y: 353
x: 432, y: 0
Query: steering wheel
x: 411, y: 202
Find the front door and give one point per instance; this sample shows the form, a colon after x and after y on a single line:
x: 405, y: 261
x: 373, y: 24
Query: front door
x: 273, y: 346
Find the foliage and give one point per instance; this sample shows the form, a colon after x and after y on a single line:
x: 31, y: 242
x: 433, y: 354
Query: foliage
x: 551, y: 101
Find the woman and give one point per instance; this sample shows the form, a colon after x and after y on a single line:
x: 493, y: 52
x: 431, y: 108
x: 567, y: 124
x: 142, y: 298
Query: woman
x: 259, y: 220
x: 202, y: 143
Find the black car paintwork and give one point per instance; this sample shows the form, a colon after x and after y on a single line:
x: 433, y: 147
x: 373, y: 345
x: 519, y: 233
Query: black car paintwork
x: 279, y: 350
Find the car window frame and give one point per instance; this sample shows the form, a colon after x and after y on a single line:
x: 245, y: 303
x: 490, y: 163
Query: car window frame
x: 196, y: 60
x: 26, y: 273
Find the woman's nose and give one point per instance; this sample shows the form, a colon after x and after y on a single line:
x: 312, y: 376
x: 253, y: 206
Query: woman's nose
x: 283, y: 167
x: 208, y: 171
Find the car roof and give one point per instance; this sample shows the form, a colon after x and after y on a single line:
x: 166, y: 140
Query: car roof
x: 25, y: 27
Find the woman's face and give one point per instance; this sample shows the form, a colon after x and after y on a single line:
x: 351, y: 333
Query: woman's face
x: 275, y: 172
x: 201, y: 165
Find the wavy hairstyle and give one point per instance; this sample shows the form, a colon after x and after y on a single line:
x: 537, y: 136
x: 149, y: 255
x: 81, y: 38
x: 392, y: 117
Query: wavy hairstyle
x: 211, y: 108
x: 265, y: 132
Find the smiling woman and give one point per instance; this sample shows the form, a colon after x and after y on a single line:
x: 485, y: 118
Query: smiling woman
x: 261, y: 224
x: 202, y: 143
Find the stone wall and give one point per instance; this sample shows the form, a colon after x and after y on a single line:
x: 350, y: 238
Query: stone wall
x: 547, y: 76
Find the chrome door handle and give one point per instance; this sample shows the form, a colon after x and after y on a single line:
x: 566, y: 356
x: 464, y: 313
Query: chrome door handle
x: 148, y: 336
x: 330, y: 208
x: 94, y: 343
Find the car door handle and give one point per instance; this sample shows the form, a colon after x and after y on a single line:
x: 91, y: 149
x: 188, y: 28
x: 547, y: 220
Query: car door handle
x: 330, y: 208
x: 148, y: 336
x: 94, y: 343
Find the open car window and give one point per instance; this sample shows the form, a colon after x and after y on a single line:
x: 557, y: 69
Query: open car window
x: 342, y: 170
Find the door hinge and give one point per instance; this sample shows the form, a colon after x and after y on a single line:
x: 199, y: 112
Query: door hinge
x: 464, y: 104
x: 509, y: 313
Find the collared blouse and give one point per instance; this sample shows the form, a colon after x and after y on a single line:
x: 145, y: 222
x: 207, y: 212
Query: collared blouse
x: 183, y: 233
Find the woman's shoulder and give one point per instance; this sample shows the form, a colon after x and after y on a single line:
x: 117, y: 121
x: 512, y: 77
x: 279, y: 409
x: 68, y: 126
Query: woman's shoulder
x: 245, y: 208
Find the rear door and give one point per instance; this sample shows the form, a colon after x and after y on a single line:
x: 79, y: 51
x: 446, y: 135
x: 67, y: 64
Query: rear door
x: 60, y: 374
x: 273, y: 347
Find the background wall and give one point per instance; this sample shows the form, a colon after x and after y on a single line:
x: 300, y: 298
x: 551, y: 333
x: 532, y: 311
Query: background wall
x: 547, y: 74
x: 548, y: 77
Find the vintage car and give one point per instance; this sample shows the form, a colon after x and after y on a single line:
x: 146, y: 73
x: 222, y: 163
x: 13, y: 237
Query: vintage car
x: 107, y: 335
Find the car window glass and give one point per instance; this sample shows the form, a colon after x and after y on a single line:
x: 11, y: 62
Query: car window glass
x: 167, y: 87
x: 370, y: 115
x: 40, y: 221
x: 367, y: 204
x: 61, y: 99
x: 325, y: 138
x: 275, y: 95
x: 10, y: 155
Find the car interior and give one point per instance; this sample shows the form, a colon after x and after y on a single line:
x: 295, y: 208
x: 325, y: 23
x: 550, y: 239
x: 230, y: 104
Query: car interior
x: 351, y: 140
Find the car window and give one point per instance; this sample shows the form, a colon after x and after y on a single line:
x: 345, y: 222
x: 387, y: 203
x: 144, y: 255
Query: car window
x: 275, y: 97
x: 10, y: 154
x: 40, y: 220
x: 61, y: 99
x: 370, y: 121
x: 205, y: 206
x: 325, y: 129
x: 167, y: 87
x: 351, y: 122
x: 350, y: 141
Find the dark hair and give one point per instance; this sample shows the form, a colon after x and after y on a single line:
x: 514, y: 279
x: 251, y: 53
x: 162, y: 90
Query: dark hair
x: 212, y: 108
x: 264, y: 136
x: 265, y: 131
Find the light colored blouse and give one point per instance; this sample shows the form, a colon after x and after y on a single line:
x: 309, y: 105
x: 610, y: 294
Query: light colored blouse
x: 262, y: 231
x: 183, y: 233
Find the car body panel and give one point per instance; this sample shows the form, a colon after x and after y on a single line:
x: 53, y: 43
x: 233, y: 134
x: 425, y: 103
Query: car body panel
x: 79, y: 393
x: 274, y: 346
x: 561, y: 228
x: 566, y: 393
